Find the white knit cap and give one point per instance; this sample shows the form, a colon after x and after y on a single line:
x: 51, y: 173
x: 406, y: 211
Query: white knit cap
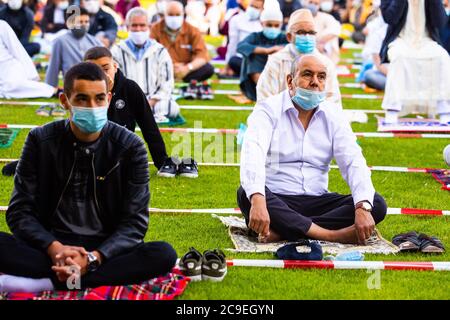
x: 271, y: 11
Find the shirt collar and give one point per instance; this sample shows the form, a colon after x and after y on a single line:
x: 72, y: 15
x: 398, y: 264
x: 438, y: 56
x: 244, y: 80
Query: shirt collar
x: 138, y: 51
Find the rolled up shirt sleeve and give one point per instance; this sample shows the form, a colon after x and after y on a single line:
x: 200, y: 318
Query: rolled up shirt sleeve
x: 351, y: 162
x: 254, y: 151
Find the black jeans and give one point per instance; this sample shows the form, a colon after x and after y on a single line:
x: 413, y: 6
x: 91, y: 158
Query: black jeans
x: 291, y: 216
x: 235, y: 64
x: 203, y: 73
x: 32, y: 48
x: 145, y: 261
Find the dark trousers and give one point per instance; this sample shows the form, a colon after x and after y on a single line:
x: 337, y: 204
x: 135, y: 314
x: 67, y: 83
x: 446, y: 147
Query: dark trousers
x: 32, y: 48
x: 145, y: 261
x: 291, y: 216
x: 235, y: 64
x: 203, y: 73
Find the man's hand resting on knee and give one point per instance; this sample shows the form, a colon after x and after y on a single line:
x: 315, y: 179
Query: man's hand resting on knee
x: 364, y: 225
x: 259, y: 216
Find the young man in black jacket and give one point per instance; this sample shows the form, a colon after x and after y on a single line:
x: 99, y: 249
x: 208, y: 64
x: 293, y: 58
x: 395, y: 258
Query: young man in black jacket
x: 80, y: 199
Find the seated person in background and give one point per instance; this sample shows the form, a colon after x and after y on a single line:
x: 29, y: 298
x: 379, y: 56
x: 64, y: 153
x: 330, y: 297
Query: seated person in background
x: 328, y: 30
x: 148, y: 63
x: 101, y: 24
x: 129, y: 106
x: 419, y: 69
x: 256, y: 47
x: 224, y: 27
x: 241, y: 26
x: 53, y: 19
x: 301, y: 35
x: 445, y: 31
x: 157, y: 10
x: 69, y: 49
x: 80, y: 199
x: 18, y: 76
x: 284, y: 192
x: 356, y: 13
x: 185, y: 44
x: 375, y: 75
x: 331, y: 7
x: 123, y: 6
x: 205, y: 16
x: 21, y: 20
x: 287, y: 8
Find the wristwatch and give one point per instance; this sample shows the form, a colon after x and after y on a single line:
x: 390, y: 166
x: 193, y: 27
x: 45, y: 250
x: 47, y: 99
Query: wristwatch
x: 93, y: 262
x: 365, y: 205
x: 190, y: 66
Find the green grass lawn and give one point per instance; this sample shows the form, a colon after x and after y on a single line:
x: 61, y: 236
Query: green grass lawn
x: 216, y: 188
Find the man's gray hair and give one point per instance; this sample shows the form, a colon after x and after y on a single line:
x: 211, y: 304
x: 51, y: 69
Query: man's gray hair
x: 136, y: 12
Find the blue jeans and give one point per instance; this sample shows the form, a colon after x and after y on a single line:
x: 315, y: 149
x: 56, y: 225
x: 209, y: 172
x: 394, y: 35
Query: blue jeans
x: 375, y: 79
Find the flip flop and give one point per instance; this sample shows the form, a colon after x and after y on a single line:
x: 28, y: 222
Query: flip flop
x: 407, y: 241
x: 430, y: 244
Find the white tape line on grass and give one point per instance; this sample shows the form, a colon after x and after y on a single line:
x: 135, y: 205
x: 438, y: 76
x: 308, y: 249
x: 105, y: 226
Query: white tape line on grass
x: 390, y: 211
x: 235, y: 131
x: 342, y: 265
x: 372, y: 168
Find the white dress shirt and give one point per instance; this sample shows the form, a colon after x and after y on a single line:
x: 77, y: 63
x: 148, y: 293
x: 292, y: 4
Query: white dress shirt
x: 240, y: 26
x: 278, y: 153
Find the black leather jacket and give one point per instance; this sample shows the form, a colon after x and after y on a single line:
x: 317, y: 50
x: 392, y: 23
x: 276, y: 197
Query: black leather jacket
x: 121, y: 189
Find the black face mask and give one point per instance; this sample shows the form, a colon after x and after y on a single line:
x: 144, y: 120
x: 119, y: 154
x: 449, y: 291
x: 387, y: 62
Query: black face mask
x: 79, y: 32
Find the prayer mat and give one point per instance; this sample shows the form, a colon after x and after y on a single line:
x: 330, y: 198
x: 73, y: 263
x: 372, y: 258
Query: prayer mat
x: 173, y: 122
x: 7, y: 137
x: 245, y: 242
x: 413, y: 125
x: 443, y: 177
x: 162, y: 288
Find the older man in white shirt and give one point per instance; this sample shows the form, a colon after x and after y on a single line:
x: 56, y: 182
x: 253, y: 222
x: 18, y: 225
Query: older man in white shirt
x: 301, y: 33
x: 291, y: 139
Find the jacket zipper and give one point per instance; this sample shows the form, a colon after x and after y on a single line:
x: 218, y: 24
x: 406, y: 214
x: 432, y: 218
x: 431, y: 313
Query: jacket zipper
x: 67, y: 183
x: 95, y: 183
x: 107, y: 174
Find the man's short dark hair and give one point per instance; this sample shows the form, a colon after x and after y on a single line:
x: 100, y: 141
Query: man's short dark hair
x: 70, y: 13
x: 97, y: 53
x: 83, y: 71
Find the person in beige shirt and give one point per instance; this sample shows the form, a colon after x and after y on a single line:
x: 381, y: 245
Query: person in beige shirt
x: 185, y: 44
x: 301, y: 33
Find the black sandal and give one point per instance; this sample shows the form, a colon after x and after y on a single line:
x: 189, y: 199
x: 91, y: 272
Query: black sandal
x: 430, y: 244
x: 408, y: 242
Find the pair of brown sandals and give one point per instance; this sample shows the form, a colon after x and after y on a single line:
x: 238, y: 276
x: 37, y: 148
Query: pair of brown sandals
x: 415, y: 242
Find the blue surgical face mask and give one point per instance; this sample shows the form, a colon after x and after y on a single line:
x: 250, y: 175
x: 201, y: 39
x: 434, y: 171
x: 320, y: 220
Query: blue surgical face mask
x: 90, y: 120
x: 305, y: 43
x: 307, y: 99
x: 252, y: 13
x: 314, y: 8
x: 271, y: 33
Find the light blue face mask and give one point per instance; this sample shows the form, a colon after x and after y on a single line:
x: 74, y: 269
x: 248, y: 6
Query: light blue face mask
x: 305, y: 43
x: 307, y: 99
x: 252, y: 13
x: 90, y: 120
x: 271, y: 33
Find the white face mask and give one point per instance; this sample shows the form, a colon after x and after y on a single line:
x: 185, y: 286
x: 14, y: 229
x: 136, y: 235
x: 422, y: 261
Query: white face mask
x: 139, y: 37
x: 174, y: 22
x: 63, y: 5
x: 92, y: 6
x: 15, y: 4
x: 326, y: 6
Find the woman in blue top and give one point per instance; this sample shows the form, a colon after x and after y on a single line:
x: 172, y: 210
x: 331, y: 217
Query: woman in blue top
x: 257, y: 46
